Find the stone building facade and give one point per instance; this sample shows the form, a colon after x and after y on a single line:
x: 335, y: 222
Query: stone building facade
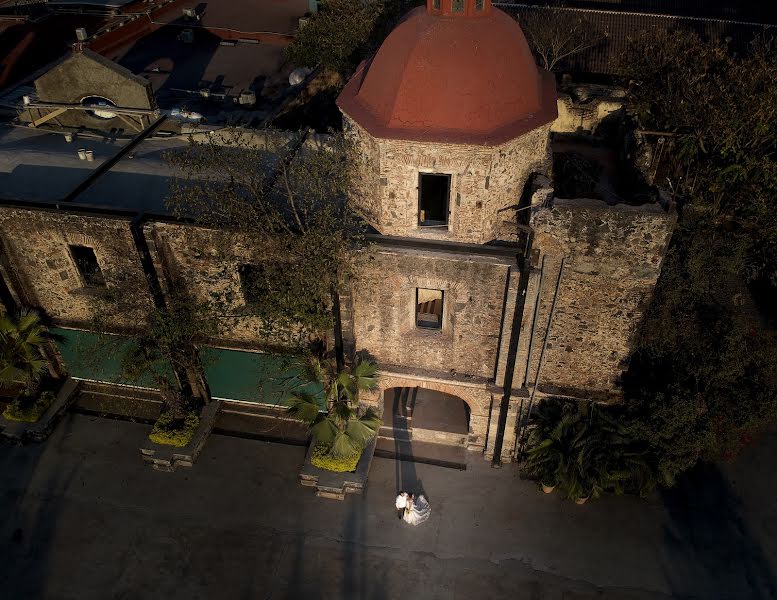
x: 41, y: 251
x: 486, y: 183
x: 462, y: 285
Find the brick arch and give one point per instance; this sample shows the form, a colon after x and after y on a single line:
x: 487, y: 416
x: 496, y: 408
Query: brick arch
x: 80, y: 239
x: 477, y: 399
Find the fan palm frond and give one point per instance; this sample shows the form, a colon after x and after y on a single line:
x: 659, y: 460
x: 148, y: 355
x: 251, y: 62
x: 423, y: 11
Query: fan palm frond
x: 302, y: 406
x: 344, y: 446
x: 325, y: 431
x: 364, y: 375
x: 361, y: 431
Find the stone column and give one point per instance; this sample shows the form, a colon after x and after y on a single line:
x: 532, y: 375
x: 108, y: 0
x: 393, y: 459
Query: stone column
x: 511, y: 425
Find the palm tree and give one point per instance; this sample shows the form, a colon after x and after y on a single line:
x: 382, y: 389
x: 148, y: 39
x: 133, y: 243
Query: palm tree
x: 344, y: 428
x: 586, y: 451
x: 22, y: 362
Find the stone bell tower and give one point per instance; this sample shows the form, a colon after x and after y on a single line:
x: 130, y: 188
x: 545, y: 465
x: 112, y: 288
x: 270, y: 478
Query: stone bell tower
x: 451, y: 116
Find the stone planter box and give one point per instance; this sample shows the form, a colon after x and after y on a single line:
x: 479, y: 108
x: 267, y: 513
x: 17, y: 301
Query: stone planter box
x: 19, y: 432
x: 168, y: 458
x: 337, y: 485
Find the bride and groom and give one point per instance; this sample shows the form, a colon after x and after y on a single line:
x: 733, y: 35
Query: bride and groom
x: 412, y: 509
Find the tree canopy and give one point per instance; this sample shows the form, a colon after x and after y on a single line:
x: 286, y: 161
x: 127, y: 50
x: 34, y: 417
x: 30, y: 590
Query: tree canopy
x: 291, y: 208
x: 703, y: 380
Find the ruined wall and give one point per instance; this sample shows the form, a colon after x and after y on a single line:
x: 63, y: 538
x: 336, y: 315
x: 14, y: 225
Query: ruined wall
x: 42, y: 267
x: 484, y: 182
x: 584, y: 107
x: 384, y: 311
x: 614, y: 256
x: 206, y: 261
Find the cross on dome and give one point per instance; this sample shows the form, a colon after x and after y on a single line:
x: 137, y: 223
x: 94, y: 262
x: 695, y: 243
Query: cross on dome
x: 459, y: 8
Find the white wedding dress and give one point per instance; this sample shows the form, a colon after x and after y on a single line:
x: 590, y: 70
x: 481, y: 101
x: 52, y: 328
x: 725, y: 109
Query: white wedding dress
x: 417, y: 511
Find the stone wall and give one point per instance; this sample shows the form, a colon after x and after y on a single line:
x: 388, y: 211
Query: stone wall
x: 206, y: 262
x: 613, y: 259
x: 36, y: 244
x: 384, y: 311
x: 485, y: 182
x: 582, y: 108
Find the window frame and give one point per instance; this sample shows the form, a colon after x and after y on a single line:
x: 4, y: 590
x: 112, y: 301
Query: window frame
x: 427, y: 223
x: 417, y: 312
x: 94, y: 280
x: 245, y: 284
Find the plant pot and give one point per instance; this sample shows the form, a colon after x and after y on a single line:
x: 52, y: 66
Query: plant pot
x: 582, y: 500
x: 547, y: 489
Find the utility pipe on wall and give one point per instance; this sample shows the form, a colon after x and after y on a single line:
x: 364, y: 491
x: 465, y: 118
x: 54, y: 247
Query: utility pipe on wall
x: 522, y: 429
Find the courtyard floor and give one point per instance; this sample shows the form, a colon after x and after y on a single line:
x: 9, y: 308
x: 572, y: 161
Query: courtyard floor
x: 83, y: 518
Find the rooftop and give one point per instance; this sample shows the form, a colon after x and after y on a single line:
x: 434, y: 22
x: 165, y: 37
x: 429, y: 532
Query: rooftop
x: 240, y: 16
x: 26, y: 46
x: 44, y: 168
x: 178, y: 70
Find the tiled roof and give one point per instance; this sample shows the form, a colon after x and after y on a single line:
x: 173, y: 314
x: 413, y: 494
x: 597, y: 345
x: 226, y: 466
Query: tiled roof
x: 622, y: 26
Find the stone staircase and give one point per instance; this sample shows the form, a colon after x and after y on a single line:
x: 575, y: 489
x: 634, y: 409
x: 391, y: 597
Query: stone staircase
x: 400, y: 438
x: 398, y: 416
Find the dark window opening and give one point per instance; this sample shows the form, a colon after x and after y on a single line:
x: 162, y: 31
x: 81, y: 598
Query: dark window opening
x: 436, y: 4
x: 478, y: 4
x: 253, y: 282
x: 457, y: 6
x: 87, y: 265
x: 428, y: 308
x: 99, y: 113
x: 433, y: 195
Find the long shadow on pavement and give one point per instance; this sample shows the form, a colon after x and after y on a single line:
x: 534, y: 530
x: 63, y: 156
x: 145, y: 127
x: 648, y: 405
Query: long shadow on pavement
x: 406, y: 475
x: 713, y: 551
x: 29, y: 522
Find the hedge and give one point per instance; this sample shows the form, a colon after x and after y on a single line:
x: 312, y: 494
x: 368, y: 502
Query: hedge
x: 321, y: 458
x: 25, y: 410
x: 167, y: 433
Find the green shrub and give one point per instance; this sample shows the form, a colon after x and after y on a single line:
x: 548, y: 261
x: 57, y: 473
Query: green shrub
x: 585, y: 450
x: 27, y: 410
x: 173, y: 432
x: 321, y: 457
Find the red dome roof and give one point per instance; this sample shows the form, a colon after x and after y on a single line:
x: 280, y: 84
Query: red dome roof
x: 457, y: 79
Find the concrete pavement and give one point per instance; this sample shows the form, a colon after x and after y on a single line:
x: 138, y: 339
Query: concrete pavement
x: 83, y: 518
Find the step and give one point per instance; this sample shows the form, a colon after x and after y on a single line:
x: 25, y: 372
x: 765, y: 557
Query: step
x: 441, y: 455
x: 440, y: 437
x: 391, y: 433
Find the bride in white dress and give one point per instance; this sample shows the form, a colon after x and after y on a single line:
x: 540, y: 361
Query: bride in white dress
x: 416, y: 509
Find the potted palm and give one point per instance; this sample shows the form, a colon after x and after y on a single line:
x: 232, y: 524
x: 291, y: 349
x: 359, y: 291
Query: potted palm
x: 23, y: 365
x: 339, y: 435
x: 585, y: 451
x: 547, y: 455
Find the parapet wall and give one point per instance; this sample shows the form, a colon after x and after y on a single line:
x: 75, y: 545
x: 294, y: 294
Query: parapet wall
x: 613, y: 257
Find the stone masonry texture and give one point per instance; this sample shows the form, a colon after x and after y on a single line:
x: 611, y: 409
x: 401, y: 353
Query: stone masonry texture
x: 37, y: 244
x: 613, y: 259
x: 384, y: 311
x: 485, y: 182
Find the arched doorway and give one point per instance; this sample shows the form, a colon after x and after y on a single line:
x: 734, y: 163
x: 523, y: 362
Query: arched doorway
x: 424, y: 425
